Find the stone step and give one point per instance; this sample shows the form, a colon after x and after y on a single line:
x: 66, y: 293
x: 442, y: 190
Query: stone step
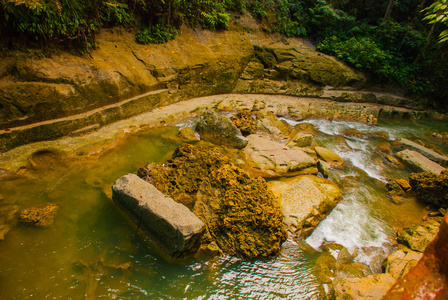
x: 432, y: 155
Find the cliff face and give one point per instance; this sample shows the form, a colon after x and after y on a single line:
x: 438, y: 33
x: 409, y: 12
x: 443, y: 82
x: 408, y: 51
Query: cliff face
x: 122, y: 78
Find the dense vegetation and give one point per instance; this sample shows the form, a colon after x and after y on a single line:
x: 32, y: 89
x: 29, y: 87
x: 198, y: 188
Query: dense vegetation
x: 399, y: 43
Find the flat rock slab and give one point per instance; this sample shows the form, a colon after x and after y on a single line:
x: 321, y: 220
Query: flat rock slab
x: 371, y: 287
x: 173, y: 224
x: 305, y: 200
x: 432, y: 155
x: 418, y: 162
x: 274, y: 159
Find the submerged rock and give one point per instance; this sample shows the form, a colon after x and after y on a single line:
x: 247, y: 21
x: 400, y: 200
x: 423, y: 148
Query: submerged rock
x: 305, y: 201
x: 8, y: 218
x: 181, y: 176
x: 219, y: 129
x: 173, y: 224
x: 245, y: 122
x: 418, y: 162
x: 39, y: 216
x: 270, y: 159
x: 240, y: 213
x: 431, y: 188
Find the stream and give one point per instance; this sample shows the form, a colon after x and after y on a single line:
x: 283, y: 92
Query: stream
x: 93, y: 252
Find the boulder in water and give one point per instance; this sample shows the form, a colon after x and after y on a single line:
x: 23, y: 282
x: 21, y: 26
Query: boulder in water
x: 271, y: 159
x: 305, y: 201
x: 172, y: 223
x: 329, y: 156
x: 240, y: 213
x: 432, y: 155
x: 188, y: 134
x: 219, y: 129
x: 399, y: 262
x: 181, y: 176
x: 418, y: 162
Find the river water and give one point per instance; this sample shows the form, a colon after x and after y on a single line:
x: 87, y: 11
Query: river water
x: 93, y: 252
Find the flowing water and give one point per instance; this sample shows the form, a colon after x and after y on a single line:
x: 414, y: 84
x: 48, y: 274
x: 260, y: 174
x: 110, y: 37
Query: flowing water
x: 93, y: 252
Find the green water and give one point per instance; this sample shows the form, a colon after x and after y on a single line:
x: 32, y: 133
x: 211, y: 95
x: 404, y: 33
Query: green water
x: 87, y: 252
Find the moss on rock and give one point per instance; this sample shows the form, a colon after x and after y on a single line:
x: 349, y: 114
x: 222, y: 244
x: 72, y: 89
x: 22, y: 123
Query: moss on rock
x: 240, y: 213
x: 431, y: 188
x: 245, y: 122
x: 181, y: 176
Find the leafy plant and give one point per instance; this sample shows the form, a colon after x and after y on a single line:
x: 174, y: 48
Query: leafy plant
x: 438, y: 13
x: 158, y: 34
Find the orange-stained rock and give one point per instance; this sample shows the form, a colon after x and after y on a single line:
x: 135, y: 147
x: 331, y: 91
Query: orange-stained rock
x: 429, y: 278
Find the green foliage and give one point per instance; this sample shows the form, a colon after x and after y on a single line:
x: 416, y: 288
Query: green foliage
x: 158, y: 34
x: 438, y: 13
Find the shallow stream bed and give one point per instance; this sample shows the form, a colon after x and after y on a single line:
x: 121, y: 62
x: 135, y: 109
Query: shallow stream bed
x: 92, y: 251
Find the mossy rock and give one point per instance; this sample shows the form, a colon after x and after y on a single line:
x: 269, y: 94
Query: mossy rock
x: 181, y: 176
x: 245, y: 122
x: 240, y: 213
x: 431, y: 188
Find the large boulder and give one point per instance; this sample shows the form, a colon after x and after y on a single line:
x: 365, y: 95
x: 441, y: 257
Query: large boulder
x: 219, y: 129
x: 428, y: 279
x: 418, y: 162
x: 271, y: 159
x: 305, y: 200
x: 240, y: 213
x: 432, y: 155
x: 431, y: 188
x: 173, y: 224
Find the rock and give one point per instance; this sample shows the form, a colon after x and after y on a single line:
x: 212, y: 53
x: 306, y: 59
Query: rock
x: 329, y: 156
x: 300, y: 139
x: 271, y: 159
x: 418, y: 162
x: 188, y: 134
x: 352, y: 132
x: 240, y: 213
x: 245, y: 122
x: 404, y: 184
x: 419, y: 236
x: 324, y: 168
x: 219, y: 129
x: 428, y: 279
x: 385, y: 148
x: 181, y: 176
x: 431, y: 188
x: 352, y: 270
x: 173, y: 224
x: 432, y: 155
x: 39, y: 216
x: 371, y: 287
x: 305, y: 200
x: 379, y: 134
x: 325, y: 268
x: 397, y: 264
x: 268, y: 123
